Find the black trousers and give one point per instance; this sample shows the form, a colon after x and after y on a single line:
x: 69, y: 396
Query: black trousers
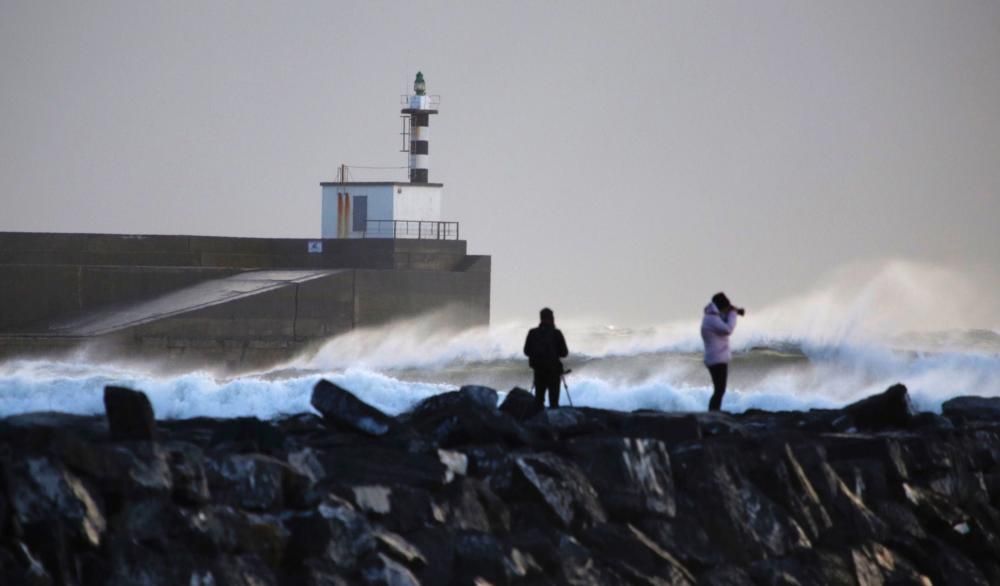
x: 550, y: 382
x: 719, y: 372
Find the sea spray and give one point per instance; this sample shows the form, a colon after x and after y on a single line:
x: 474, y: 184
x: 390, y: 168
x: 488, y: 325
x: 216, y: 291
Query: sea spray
x: 857, y: 333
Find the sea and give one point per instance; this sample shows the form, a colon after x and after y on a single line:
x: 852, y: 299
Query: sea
x: 851, y: 336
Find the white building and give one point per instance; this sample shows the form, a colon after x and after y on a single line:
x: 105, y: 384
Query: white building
x: 384, y: 210
x: 393, y: 209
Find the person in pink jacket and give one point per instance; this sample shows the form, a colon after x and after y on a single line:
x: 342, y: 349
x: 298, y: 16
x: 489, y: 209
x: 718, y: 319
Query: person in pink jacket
x: 718, y: 323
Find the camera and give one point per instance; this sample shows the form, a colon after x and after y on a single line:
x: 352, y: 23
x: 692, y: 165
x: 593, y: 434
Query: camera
x: 740, y: 311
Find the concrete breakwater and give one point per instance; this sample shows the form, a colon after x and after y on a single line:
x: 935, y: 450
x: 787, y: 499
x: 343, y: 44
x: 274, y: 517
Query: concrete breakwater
x: 461, y: 490
x: 243, y: 303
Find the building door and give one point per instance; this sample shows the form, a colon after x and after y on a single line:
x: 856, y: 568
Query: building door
x: 360, y: 209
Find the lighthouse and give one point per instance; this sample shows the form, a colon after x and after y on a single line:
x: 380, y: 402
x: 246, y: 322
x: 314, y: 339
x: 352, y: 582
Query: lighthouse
x: 392, y: 209
x: 419, y: 109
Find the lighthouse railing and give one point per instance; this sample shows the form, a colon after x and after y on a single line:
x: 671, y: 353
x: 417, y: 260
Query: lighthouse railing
x: 417, y: 229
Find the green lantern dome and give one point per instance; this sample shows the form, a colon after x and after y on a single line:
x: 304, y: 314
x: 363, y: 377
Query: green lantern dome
x: 419, y: 87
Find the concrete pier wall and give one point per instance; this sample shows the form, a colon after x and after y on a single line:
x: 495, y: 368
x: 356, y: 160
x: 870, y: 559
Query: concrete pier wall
x: 238, y: 302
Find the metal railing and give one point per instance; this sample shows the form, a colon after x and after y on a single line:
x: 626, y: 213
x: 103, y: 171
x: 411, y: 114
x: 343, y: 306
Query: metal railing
x: 419, y: 229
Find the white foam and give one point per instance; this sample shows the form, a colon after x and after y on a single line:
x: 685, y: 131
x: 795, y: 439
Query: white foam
x: 843, y: 327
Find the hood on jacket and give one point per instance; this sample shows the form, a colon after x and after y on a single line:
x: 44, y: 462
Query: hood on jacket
x: 711, y: 309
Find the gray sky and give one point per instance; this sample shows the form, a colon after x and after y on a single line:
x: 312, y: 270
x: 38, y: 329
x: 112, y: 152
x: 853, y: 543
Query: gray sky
x: 620, y: 161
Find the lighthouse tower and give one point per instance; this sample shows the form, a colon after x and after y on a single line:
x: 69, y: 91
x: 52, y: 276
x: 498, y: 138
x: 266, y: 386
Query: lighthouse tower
x: 419, y: 109
x: 392, y: 209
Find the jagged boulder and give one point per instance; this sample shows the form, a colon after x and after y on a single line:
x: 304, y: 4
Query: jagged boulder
x: 565, y: 422
x: 744, y: 522
x: 520, y: 404
x: 334, y: 532
x: 130, y: 414
x: 187, y: 470
x: 343, y: 408
x: 249, y: 434
x: 21, y: 566
x: 42, y: 490
x: 253, y: 482
x: 137, y: 469
x: 559, y: 485
x: 381, y: 570
x: 470, y: 504
x: 887, y: 410
x: 964, y: 409
x: 670, y: 428
x: 458, y: 419
x: 635, y: 555
x: 367, y: 465
x: 483, y: 396
x: 632, y: 475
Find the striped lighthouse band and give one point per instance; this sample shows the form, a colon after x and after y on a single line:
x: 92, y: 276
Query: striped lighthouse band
x: 419, y: 146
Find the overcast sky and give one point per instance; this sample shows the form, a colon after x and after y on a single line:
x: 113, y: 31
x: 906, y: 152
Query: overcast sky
x: 620, y: 161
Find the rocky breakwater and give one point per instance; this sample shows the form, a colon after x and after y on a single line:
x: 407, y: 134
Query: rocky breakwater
x: 462, y: 491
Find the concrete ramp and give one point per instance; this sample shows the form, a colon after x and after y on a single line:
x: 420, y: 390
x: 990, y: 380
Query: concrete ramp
x: 188, y: 301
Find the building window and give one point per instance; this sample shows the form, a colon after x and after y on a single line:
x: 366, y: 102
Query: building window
x: 360, y: 208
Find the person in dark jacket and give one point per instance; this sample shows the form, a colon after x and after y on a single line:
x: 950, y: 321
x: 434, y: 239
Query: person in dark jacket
x: 544, y: 346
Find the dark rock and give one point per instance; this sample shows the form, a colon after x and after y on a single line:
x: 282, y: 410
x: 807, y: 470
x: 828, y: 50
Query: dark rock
x: 742, y: 520
x: 578, y: 567
x: 319, y: 572
x: 380, y: 570
x: 482, y: 396
x: 23, y: 567
x: 412, y: 509
x: 727, y: 575
x: 131, y: 564
x: 137, y: 469
x: 264, y: 537
x: 335, y: 532
x: 928, y: 420
x: 937, y: 513
x: 520, y: 404
x: 965, y: 409
x: 479, y: 555
x: 944, y: 564
x: 888, y: 410
x: 900, y: 519
x: 634, y: 554
x: 632, y: 475
x: 437, y: 544
x: 240, y: 571
x: 565, y: 422
x: 471, y: 504
x: 487, y: 460
x: 187, y: 471
x: 670, y: 428
x: 249, y: 434
x: 874, y: 563
x: 360, y: 465
x: 250, y: 481
x: 685, y: 538
x: 562, y: 487
x: 343, y: 408
x: 857, y: 447
x: 50, y: 542
x: 398, y: 548
x: 130, y: 414
x: 458, y: 419
x: 853, y: 521
x: 43, y: 490
x: 780, y: 475
x: 720, y: 424
x: 372, y: 499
